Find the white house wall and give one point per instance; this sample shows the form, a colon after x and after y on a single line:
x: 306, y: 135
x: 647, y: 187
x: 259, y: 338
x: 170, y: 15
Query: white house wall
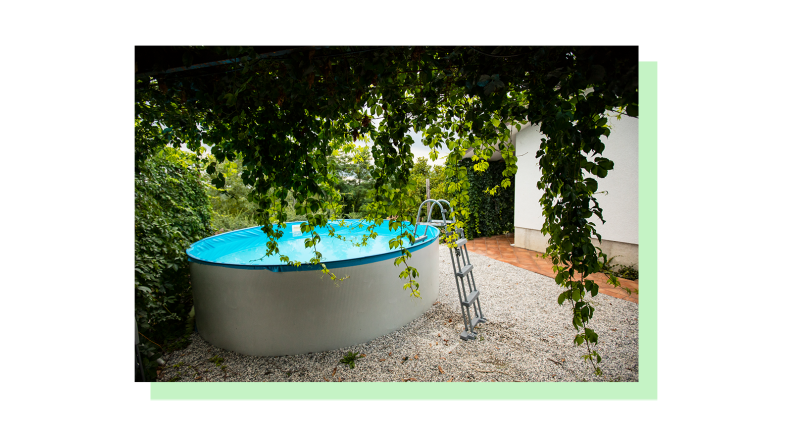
x: 619, y: 207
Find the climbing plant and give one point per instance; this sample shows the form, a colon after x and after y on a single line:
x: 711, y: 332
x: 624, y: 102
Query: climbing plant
x: 282, y: 108
x: 489, y: 213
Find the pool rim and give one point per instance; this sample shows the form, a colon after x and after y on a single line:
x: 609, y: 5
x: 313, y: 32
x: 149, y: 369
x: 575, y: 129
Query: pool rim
x: 307, y: 266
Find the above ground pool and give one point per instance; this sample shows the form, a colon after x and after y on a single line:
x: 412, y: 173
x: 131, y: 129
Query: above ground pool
x: 257, y: 305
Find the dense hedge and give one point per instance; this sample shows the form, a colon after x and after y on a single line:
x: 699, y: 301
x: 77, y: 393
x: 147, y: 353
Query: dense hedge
x: 171, y: 212
x: 489, y: 214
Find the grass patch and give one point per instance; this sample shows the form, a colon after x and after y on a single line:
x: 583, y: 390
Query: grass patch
x: 349, y: 359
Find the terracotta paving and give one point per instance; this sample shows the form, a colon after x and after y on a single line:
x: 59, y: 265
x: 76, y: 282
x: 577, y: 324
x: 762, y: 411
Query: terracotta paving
x: 499, y: 248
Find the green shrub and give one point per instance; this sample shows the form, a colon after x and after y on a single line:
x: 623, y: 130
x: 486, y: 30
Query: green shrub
x: 627, y: 272
x: 171, y: 212
x: 231, y: 206
x: 225, y: 223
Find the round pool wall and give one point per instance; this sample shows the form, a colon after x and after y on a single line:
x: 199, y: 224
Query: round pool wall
x: 256, y: 305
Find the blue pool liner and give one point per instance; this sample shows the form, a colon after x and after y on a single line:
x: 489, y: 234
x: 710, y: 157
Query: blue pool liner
x: 244, y: 248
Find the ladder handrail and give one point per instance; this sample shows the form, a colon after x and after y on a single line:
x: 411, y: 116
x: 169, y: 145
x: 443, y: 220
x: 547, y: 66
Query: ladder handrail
x: 429, y: 207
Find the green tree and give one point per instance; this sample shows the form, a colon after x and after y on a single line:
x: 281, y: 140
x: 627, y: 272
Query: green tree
x: 422, y: 171
x: 352, y: 165
x: 231, y: 207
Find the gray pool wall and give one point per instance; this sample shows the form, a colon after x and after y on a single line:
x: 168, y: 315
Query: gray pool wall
x: 264, y: 313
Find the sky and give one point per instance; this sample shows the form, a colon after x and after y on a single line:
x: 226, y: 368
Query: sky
x: 420, y: 150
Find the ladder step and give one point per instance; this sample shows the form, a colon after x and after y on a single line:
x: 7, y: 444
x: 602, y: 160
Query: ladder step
x: 465, y: 269
x: 434, y: 223
x: 476, y: 321
x: 467, y: 335
x: 460, y: 242
x: 470, y: 299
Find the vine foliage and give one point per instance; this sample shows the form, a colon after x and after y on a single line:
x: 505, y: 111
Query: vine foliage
x: 488, y: 213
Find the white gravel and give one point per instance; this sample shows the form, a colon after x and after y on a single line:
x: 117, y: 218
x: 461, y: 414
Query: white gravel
x: 528, y: 337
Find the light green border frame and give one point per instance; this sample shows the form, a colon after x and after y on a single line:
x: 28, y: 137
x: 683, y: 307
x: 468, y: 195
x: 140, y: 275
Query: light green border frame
x: 644, y: 389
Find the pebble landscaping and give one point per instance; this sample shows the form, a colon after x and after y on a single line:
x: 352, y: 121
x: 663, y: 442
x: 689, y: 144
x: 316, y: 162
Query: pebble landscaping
x: 528, y: 337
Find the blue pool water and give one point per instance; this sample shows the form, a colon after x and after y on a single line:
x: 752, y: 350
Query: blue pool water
x: 246, y: 248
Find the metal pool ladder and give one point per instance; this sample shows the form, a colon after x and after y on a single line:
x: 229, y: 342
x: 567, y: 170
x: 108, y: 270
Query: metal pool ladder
x: 463, y: 269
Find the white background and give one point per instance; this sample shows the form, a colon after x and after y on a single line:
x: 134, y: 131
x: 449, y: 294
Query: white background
x: 724, y: 156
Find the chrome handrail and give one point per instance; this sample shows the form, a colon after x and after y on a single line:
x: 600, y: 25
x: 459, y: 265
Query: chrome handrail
x: 431, y: 202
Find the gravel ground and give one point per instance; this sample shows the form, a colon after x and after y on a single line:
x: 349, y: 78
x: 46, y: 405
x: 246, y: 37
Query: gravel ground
x: 528, y: 337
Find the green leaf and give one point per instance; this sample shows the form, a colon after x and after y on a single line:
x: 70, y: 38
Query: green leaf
x: 591, y: 336
x: 591, y: 184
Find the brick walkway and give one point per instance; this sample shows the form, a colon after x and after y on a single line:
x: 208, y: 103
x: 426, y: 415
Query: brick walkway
x: 499, y: 248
